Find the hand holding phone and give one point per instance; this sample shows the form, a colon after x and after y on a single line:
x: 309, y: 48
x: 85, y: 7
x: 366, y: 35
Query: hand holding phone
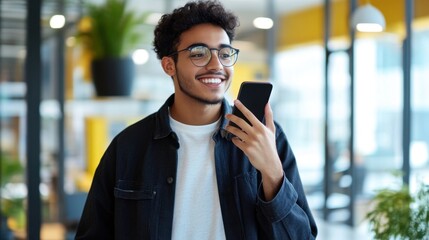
x: 254, y: 96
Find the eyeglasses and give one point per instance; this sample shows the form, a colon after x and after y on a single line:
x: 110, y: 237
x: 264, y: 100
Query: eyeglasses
x: 201, y: 55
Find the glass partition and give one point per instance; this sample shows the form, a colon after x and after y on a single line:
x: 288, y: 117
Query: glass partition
x: 419, y: 146
x: 378, y: 118
x: 298, y: 107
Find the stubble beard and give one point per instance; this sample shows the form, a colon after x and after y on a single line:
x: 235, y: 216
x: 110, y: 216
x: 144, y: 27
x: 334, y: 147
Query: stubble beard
x: 187, y: 92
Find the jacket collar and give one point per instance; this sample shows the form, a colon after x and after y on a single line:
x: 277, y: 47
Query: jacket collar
x: 162, y: 119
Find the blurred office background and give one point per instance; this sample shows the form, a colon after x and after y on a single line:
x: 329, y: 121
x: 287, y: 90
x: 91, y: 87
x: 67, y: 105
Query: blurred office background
x: 353, y: 105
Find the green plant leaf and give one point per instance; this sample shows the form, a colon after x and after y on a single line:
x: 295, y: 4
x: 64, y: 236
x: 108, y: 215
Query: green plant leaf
x: 114, y: 29
x: 399, y: 215
x: 9, y: 167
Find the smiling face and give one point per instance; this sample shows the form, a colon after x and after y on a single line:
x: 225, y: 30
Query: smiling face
x: 207, y: 84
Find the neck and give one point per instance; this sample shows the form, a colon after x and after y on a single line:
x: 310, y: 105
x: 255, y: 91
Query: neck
x: 194, y: 113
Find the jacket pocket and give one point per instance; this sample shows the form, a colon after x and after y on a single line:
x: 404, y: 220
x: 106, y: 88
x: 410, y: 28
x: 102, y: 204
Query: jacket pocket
x: 247, y: 186
x: 136, y: 210
x: 130, y: 194
x: 132, y: 190
x: 245, y: 194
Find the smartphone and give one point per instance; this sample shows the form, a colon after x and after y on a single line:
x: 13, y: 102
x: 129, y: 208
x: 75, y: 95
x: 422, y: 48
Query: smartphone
x: 253, y: 95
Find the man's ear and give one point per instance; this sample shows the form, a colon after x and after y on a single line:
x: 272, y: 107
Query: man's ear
x: 168, y: 65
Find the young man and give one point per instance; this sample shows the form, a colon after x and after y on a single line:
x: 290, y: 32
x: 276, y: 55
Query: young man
x: 174, y: 175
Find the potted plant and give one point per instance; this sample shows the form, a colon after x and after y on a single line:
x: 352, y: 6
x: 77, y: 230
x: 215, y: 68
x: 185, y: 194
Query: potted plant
x: 397, y: 214
x: 109, y: 32
x: 12, y: 209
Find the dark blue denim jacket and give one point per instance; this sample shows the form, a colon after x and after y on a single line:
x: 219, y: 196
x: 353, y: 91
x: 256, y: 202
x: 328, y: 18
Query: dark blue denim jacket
x: 132, y: 194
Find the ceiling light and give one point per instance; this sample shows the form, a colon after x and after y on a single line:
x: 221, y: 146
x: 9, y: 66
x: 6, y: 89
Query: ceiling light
x: 57, y: 21
x: 367, y: 18
x: 263, y: 23
x: 140, y: 56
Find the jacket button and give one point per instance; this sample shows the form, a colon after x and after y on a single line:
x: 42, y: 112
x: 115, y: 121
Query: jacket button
x: 170, y: 180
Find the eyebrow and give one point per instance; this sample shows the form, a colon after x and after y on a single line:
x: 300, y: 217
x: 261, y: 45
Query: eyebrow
x: 205, y: 45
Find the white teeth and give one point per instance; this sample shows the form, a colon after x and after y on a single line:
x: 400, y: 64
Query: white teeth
x: 211, y: 80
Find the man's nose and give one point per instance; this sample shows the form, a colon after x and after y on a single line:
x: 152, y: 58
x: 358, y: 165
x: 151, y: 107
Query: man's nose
x: 214, y: 63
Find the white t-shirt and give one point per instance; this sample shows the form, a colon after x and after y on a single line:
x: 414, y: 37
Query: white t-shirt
x: 197, y: 213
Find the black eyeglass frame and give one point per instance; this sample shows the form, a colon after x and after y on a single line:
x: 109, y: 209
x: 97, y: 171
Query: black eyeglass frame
x: 190, y: 48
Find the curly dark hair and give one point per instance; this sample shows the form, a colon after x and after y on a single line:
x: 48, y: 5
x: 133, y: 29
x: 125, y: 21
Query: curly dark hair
x: 171, y: 26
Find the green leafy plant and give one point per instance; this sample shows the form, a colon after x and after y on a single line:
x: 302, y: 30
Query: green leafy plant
x: 111, y: 29
x: 11, y: 171
x: 10, y: 167
x: 399, y: 215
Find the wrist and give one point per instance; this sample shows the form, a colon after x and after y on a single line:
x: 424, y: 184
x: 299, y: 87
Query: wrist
x: 271, y: 182
x: 273, y: 174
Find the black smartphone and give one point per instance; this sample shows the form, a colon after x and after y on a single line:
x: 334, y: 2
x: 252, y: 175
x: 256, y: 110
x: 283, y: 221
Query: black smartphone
x: 253, y: 95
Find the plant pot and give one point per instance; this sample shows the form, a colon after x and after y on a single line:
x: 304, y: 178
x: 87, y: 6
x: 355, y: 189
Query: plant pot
x: 113, y: 76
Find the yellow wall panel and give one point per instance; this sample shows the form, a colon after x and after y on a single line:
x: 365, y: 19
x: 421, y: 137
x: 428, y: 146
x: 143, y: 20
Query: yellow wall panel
x: 247, y: 72
x: 307, y: 26
x: 96, y: 132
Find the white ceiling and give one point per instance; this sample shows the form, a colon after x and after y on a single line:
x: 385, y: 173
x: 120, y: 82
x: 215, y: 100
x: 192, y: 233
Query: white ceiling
x: 13, y: 13
x: 246, y: 10
x: 239, y: 6
x: 249, y: 39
